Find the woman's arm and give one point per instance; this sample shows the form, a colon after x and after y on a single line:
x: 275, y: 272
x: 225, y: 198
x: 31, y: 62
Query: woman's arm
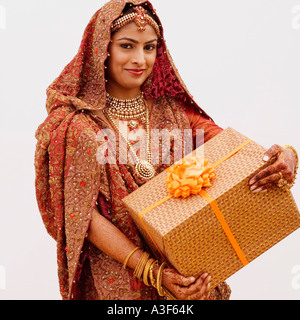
x: 284, y: 168
x: 110, y: 240
x: 198, y: 122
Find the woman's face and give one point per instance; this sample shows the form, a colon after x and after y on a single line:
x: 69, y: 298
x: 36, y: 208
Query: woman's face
x: 131, y: 60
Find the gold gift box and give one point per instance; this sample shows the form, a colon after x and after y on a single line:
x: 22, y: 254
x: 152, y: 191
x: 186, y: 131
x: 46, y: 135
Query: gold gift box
x: 187, y: 232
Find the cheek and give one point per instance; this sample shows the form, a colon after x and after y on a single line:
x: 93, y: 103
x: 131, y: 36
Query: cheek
x: 151, y: 61
x: 115, y: 64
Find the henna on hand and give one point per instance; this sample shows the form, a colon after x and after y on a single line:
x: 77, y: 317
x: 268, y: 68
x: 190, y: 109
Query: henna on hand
x: 186, y: 288
x: 282, y: 168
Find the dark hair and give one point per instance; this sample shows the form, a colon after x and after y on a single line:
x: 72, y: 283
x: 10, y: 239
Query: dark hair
x: 129, y: 8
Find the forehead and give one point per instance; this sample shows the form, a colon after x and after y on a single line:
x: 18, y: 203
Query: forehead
x: 131, y: 31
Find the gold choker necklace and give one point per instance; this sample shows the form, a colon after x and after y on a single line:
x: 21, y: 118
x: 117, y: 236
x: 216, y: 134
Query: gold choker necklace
x: 129, y: 110
x: 143, y: 168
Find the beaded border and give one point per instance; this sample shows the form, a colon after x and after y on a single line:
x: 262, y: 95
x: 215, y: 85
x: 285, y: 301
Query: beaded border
x: 140, y: 18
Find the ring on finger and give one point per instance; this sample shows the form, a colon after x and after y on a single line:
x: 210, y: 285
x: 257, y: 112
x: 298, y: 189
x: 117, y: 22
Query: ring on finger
x: 281, y: 182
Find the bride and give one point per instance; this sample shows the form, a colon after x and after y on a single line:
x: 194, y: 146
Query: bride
x: 122, y: 79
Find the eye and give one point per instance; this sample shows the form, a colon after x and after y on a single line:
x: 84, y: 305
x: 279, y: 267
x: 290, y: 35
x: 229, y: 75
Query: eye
x: 150, y: 47
x: 126, y: 46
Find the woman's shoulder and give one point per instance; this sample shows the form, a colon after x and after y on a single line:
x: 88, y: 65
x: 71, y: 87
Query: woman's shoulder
x: 66, y: 121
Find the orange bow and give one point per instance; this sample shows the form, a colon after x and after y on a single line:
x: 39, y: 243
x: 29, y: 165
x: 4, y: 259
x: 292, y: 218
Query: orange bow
x: 189, y: 176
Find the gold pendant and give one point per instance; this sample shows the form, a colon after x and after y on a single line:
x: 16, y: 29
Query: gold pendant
x: 133, y: 124
x: 145, y: 169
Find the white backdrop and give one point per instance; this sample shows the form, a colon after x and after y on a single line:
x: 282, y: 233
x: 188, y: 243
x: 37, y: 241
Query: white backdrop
x: 240, y: 60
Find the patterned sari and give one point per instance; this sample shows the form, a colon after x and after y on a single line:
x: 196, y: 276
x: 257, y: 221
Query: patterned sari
x: 70, y: 182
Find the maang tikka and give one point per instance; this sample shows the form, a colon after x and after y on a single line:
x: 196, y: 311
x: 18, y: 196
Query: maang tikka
x: 141, y: 19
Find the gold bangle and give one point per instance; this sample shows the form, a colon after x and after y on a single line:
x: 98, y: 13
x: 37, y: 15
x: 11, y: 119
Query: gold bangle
x: 146, y: 272
x: 142, y: 266
x: 138, y: 266
x: 138, y: 271
x: 128, y: 257
x: 151, y: 273
x: 159, y: 287
x: 289, y: 185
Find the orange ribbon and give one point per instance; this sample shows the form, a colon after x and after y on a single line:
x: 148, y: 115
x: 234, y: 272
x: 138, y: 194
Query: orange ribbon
x: 225, y: 227
x: 207, y: 173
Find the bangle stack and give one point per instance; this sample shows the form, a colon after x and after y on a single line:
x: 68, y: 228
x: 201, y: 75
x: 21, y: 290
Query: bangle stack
x: 144, y: 270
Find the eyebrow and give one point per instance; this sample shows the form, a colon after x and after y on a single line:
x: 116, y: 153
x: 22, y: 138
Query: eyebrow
x: 134, y: 41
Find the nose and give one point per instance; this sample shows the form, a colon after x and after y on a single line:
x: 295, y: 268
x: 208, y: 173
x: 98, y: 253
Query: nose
x: 138, y: 57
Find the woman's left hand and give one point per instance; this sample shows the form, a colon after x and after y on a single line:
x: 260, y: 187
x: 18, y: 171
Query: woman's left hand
x: 282, y: 168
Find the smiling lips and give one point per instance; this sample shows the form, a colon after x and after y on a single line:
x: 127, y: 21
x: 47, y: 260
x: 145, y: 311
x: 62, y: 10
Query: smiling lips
x: 136, y: 72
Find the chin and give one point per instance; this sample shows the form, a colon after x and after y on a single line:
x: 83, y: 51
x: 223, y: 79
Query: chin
x: 134, y: 84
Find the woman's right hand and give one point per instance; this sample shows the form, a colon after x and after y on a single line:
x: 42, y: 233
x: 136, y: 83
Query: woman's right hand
x: 186, y: 288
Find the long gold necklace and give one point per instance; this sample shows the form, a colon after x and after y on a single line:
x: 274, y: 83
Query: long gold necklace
x: 143, y: 168
x: 129, y: 110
